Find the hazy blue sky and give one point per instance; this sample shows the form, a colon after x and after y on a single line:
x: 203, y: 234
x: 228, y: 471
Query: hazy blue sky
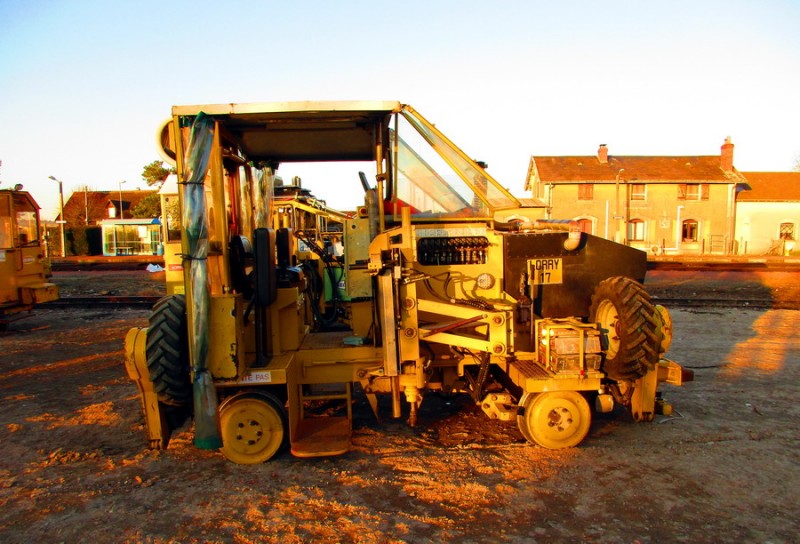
x: 85, y: 83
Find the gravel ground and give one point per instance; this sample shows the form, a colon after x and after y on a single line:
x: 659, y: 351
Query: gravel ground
x: 74, y: 467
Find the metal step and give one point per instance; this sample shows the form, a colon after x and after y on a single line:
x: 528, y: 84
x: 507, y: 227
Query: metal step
x: 526, y: 369
x: 322, y: 436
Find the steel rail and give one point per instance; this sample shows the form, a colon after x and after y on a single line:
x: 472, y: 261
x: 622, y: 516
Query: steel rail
x: 668, y: 302
x: 102, y: 302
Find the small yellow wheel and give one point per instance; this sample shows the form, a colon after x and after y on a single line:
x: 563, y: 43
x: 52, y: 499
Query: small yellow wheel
x: 556, y: 419
x: 253, y: 427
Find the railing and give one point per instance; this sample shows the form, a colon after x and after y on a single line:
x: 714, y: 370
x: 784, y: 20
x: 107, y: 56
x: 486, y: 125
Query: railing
x: 126, y: 247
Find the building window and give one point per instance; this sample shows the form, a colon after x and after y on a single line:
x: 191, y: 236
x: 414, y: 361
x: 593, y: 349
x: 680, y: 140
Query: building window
x: 585, y: 225
x: 689, y: 230
x: 638, y: 191
x: 586, y: 191
x: 693, y: 191
x: 787, y: 231
x: 636, y: 230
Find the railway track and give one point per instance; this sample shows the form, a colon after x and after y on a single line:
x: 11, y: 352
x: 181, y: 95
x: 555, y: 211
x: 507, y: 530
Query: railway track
x: 772, y: 263
x: 752, y: 304
x: 102, y: 302
x: 695, y: 302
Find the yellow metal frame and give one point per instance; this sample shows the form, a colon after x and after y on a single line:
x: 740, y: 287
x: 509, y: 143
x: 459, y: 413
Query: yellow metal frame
x: 499, y: 327
x: 155, y: 421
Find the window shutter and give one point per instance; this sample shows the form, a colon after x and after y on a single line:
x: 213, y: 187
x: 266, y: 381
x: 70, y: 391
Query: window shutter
x: 681, y: 191
x: 704, y: 189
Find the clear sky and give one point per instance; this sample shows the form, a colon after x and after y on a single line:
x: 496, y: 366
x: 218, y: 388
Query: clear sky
x: 85, y: 83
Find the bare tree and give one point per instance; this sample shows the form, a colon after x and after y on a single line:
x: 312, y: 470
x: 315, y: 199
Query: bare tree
x: 85, y: 206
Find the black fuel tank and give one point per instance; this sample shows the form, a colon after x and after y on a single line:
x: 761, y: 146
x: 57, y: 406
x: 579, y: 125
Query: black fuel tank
x: 582, y: 269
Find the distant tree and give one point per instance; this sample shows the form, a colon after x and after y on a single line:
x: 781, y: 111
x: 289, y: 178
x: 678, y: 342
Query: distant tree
x: 155, y: 173
x: 149, y: 206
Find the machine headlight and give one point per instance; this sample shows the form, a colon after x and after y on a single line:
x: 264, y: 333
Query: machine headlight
x: 485, y: 281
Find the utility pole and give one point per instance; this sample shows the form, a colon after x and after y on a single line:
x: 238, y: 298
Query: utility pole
x: 121, y: 211
x: 61, y: 215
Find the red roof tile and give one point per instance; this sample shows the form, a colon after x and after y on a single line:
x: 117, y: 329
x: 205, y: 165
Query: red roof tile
x: 705, y: 169
x: 771, y: 187
x: 98, y: 201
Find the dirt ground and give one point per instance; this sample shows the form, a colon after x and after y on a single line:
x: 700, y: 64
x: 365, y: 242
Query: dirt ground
x: 724, y: 468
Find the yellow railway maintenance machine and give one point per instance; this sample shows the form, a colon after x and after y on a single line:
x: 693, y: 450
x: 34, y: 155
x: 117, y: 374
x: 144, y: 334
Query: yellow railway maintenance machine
x: 23, y: 281
x: 536, y: 321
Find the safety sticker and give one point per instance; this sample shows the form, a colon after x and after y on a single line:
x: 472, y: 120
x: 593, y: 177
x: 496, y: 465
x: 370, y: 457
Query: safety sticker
x: 257, y: 376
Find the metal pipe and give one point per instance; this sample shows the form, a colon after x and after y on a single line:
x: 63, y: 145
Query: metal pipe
x: 572, y: 227
x: 617, y: 215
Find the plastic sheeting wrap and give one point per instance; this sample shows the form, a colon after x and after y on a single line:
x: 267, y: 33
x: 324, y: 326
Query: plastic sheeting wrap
x: 265, y: 181
x: 198, y: 152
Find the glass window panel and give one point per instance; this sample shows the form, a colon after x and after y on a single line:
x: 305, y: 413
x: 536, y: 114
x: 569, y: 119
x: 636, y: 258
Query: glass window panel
x: 636, y: 230
x: 638, y: 191
x: 437, y: 180
x: 689, y: 229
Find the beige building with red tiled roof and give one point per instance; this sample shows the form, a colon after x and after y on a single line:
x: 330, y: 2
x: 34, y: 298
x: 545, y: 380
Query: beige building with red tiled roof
x: 660, y: 204
x: 768, y: 215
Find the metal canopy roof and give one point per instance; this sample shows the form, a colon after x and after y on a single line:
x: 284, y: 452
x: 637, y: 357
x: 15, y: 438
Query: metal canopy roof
x: 301, y: 131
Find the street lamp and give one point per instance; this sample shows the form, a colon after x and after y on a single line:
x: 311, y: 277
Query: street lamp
x: 121, y: 212
x: 61, y: 215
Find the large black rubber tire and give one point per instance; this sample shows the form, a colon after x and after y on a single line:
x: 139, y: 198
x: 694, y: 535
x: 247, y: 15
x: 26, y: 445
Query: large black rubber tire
x: 167, y: 351
x: 630, y: 321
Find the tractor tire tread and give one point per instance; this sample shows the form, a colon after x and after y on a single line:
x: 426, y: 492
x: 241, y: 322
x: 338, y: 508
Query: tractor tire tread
x: 167, y: 351
x: 639, y: 335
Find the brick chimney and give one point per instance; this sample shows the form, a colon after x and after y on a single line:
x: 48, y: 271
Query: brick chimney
x: 602, y: 154
x: 726, y: 155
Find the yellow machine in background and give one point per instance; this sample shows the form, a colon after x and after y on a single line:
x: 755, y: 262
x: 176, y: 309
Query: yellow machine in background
x: 427, y: 290
x: 314, y: 223
x: 23, y: 281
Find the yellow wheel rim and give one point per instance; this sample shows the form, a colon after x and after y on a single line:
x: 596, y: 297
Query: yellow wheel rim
x: 558, y: 419
x: 608, y: 318
x: 252, y: 430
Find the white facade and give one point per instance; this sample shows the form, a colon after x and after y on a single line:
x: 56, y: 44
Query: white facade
x: 767, y: 228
